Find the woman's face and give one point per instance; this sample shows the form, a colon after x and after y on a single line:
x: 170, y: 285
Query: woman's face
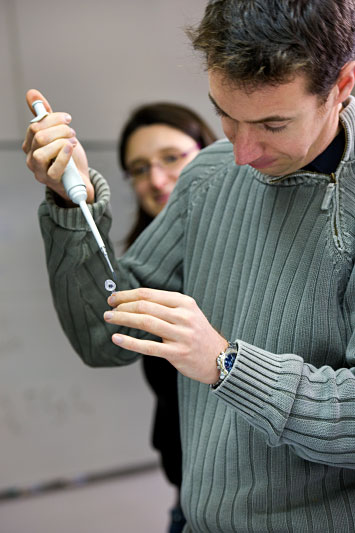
x: 155, y: 156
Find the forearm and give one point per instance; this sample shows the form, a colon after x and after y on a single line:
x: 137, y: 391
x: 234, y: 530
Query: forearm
x: 77, y: 272
x: 293, y: 403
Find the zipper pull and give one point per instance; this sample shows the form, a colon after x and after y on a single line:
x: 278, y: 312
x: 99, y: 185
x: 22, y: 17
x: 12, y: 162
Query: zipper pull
x: 328, y: 193
x: 328, y: 197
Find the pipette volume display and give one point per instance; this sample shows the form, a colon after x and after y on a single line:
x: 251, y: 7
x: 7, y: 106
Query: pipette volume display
x: 76, y: 189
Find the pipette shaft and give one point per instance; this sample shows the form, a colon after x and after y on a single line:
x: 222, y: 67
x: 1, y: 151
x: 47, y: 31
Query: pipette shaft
x: 95, y: 231
x: 76, y: 189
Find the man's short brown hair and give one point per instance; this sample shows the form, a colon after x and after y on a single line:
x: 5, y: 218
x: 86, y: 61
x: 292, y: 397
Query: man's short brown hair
x: 256, y: 42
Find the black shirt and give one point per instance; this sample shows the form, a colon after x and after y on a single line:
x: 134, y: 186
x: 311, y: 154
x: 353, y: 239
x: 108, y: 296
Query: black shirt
x: 327, y: 161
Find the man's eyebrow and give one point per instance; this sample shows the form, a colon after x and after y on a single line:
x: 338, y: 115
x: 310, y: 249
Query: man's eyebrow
x: 214, y: 103
x: 271, y: 118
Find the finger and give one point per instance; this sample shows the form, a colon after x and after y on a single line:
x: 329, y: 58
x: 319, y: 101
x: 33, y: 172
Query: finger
x: 48, y: 135
x: 38, y: 128
x: 167, y: 298
x: 144, y: 347
x: 145, y: 307
x: 147, y: 323
x: 43, y: 158
x: 58, y: 166
x: 32, y: 95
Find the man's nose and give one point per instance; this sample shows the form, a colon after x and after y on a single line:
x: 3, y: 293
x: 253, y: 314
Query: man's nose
x: 247, y: 147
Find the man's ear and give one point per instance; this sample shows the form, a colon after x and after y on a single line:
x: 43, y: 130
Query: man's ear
x: 346, y: 81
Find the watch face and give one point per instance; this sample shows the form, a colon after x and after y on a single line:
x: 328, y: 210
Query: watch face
x: 225, y: 361
x: 229, y: 361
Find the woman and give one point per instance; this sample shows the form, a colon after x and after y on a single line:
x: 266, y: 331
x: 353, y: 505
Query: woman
x: 156, y: 143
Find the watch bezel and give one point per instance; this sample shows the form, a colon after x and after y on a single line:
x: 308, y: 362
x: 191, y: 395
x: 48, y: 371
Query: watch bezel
x: 230, y: 351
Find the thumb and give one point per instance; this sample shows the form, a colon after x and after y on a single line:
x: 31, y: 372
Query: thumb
x: 32, y: 95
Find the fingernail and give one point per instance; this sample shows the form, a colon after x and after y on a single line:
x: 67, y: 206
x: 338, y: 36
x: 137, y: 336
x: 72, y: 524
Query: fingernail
x: 117, y: 339
x: 67, y: 119
x: 111, y: 300
x: 68, y: 148
x: 108, y: 315
x: 73, y: 132
x: 73, y: 140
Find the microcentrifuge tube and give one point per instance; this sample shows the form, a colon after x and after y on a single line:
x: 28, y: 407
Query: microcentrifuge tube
x: 110, y: 285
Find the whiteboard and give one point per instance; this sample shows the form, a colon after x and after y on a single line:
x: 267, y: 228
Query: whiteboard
x: 59, y: 418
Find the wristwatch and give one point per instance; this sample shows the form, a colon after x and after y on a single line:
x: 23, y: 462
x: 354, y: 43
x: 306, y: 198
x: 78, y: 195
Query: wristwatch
x: 225, y: 361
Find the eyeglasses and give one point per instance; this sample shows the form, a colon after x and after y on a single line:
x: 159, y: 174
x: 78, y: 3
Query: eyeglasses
x: 170, y: 161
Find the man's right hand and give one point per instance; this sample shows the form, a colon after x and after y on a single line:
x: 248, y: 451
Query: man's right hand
x: 49, y: 144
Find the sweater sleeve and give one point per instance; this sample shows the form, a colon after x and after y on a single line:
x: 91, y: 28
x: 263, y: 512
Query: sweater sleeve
x: 292, y: 402
x: 77, y: 271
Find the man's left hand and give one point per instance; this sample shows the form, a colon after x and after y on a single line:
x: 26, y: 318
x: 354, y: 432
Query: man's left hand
x: 189, y: 342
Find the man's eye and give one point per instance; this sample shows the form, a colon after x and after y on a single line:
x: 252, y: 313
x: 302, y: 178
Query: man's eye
x: 274, y: 129
x: 219, y: 112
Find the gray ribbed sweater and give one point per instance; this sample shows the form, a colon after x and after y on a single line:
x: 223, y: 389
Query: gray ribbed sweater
x: 273, y: 448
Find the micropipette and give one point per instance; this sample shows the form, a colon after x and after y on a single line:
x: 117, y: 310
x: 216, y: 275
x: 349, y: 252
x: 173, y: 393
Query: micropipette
x: 76, y: 189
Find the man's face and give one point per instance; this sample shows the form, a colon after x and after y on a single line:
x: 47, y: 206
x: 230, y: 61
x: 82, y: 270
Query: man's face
x: 275, y: 129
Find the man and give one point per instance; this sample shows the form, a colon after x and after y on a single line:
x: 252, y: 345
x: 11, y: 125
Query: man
x: 247, y: 275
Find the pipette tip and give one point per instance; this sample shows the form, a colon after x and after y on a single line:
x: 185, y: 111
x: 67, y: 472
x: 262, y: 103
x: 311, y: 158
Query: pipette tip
x: 105, y: 254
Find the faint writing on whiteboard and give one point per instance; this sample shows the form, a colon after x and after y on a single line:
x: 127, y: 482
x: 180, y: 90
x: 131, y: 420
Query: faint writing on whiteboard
x: 42, y: 407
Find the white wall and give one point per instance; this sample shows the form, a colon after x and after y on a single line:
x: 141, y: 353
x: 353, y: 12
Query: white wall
x: 96, y: 60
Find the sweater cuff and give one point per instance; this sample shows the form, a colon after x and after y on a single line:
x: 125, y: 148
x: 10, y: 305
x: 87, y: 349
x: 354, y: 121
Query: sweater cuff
x: 72, y: 218
x: 262, y: 386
